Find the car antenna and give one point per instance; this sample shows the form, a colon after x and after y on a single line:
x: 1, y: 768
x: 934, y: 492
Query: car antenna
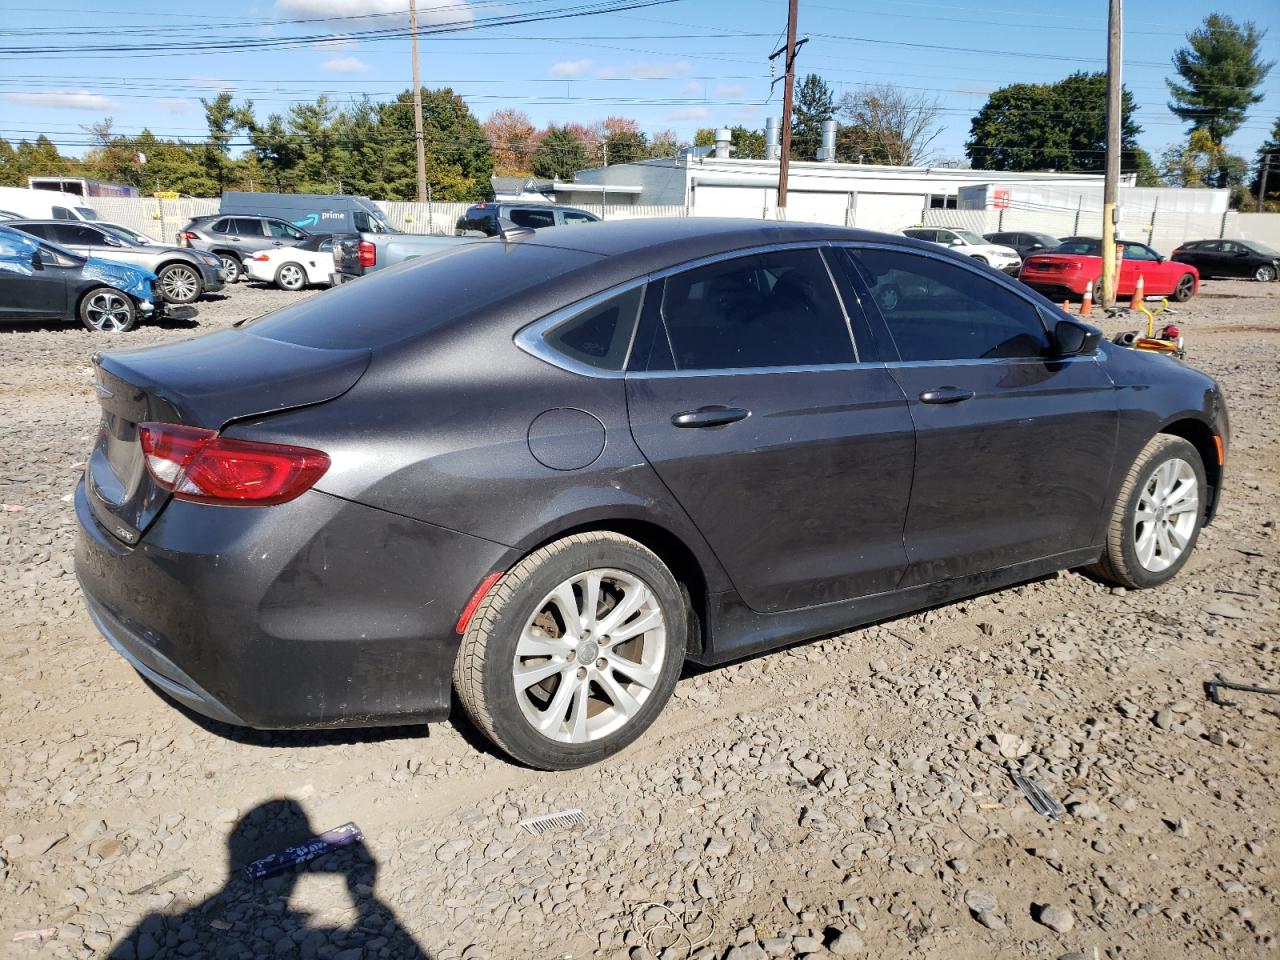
x: 512, y: 232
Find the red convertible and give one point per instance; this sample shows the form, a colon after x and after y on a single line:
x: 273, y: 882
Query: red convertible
x: 1076, y: 266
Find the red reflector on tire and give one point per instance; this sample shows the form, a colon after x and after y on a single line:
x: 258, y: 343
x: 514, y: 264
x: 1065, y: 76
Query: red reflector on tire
x: 199, y: 465
x: 469, y: 610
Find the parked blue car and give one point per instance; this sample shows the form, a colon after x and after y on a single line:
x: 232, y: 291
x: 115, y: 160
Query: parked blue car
x: 40, y: 280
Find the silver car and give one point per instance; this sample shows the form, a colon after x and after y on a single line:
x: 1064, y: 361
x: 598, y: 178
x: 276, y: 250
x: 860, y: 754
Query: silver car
x: 184, y: 275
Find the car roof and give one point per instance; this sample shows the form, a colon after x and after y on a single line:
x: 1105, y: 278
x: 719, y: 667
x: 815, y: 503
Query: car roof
x: 655, y: 243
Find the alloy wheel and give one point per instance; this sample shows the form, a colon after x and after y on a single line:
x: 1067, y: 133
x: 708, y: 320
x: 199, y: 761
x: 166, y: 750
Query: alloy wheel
x: 590, y: 656
x: 230, y: 267
x: 291, y: 277
x: 1183, y: 292
x: 179, y: 284
x: 1166, y: 515
x: 1265, y: 273
x: 109, y: 312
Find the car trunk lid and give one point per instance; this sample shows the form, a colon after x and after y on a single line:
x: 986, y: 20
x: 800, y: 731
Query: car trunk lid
x: 203, y: 382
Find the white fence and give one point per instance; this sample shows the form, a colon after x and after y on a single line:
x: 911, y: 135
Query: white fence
x: 1164, y: 231
x: 162, y: 219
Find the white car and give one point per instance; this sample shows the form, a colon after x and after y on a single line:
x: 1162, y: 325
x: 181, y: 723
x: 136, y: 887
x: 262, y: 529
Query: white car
x: 970, y: 244
x: 293, y: 268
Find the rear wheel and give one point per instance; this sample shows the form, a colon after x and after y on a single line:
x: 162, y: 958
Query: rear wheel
x: 574, y: 652
x: 1265, y: 273
x: 106, y: 310
x: 291, y: 276
x: 1157, y: 516
x: 179, y: 283
x: 1097, y: 291
x: 1185, y: 288
x: 231, y: 267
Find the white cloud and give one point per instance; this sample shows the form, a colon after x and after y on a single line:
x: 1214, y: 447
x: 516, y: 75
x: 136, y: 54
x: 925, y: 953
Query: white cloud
x: 344, y: 65
x: 693, y: 86
x: 176, y: 105
x: 215, y: 84
x: 386, y: 12
x: 61, y: 100
x: 688, y: 113
x: 730, y: 90
x: 570, y: 68
x: 645, y: 70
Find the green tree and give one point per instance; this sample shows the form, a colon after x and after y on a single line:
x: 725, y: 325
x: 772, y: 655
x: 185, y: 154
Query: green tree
x: 664, y: 143
x: 747, y: 144
x: 1270, y: 148
x: 560, y: 154
x: 225, y: 120
x: 1220, y: 72
x: 172, y: 166
x: 1200, y: 162
x: 623, y: 141
x: 1051, y: 126
x: 814, y: 103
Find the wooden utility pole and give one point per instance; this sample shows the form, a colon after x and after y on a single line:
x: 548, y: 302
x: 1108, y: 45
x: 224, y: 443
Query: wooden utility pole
x: 417, y: 106
x: 788, y: 88
x: 1262, y: 180
x: 1115, y: 122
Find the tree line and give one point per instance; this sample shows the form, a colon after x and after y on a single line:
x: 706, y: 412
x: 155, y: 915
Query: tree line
x: 367, y: 146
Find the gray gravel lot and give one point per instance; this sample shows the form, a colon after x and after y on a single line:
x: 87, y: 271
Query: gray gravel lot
x: 848, y: 797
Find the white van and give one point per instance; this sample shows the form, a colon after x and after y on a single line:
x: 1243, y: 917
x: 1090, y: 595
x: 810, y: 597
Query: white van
x: 45, y: 204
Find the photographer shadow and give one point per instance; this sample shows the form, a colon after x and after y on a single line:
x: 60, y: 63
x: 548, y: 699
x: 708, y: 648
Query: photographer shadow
x: 254, y: 918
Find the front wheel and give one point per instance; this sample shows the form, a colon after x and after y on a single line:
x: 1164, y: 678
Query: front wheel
x: 179, y: 283
x: 1157, y: 516
x: 1265, y: 273
x: 106, y: 310
x: 982, y: 260
x: 1185, y: 288
x: 291, y: 276
x: 574, y: 651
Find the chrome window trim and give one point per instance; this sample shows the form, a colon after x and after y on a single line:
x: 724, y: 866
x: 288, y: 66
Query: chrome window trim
x: 532, y: 337
x: 754, y: 371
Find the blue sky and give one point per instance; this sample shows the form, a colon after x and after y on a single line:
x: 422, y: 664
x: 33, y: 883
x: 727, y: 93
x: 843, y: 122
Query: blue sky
x: 680, y: 65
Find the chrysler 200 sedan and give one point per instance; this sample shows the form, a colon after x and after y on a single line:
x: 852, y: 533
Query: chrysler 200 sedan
x: 545, y: 471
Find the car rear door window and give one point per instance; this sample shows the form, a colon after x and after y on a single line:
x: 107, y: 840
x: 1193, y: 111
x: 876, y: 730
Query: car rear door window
x: 533, y: 218
x: 42, y: 230
x: 776, y: 309
x: 943, y: 311
x: 572, y: 216
x: 222, y: 226
x: 248, y: 227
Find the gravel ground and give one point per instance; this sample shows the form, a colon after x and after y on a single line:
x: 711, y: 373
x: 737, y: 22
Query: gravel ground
x: 848, y: 797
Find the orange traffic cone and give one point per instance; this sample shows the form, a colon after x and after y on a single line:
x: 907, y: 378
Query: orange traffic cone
x: 1066, y: 306
x: 1086, y: 305
x: 1136, y: 302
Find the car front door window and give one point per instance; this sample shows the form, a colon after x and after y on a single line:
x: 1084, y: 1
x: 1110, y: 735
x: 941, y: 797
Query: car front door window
x: 533, y: 218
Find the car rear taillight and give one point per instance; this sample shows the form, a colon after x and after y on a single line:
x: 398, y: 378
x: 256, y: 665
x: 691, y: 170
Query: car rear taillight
x: 368, y: 254
x: 185, y: 238
x: 199, y: 465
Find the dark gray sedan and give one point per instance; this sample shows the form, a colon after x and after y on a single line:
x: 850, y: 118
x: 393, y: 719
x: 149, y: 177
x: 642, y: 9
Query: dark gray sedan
x: 546, y: 472
x: 183, y: 276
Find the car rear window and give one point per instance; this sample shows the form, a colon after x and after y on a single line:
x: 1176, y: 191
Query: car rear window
x: 417, y: 296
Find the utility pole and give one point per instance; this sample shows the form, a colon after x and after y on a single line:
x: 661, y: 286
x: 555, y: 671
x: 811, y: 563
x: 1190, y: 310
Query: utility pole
x: 1111, y: 182
x: 1262, y: 179
x: 417, y: 106
x: 788, y: 87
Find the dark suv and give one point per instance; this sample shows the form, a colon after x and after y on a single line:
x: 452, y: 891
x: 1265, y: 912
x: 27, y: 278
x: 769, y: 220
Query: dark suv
x: 235, y: 238
x: 481, y: 219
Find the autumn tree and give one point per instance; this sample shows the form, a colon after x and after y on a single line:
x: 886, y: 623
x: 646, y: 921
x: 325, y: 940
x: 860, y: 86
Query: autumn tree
x: 514, y: 139
x: 747, y: 144
x: 884, y: 124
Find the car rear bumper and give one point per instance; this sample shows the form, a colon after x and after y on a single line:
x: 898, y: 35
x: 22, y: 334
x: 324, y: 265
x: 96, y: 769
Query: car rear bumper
x: 315, y: 613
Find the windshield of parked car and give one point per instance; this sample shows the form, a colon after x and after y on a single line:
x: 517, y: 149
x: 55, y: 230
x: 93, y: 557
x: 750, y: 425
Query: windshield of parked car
x: 1088, y: 247
x: 87, y: 212
x: 968, y: 236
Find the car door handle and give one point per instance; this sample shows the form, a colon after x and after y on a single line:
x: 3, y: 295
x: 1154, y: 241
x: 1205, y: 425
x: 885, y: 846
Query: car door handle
x: 946, y: 395
x: 716, y: 416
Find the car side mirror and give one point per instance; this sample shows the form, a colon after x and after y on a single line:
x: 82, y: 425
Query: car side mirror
x: 1071, y: 339
x: 957, y: 242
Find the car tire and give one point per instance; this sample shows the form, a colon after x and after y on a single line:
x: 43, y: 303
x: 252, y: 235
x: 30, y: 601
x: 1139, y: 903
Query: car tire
x: 107, y: 310
x: 180, y: 283
x: 983, y: 260
x: 1265, y: 273
x: 1097, y: 292
x: 1185, y: 288
x: 522, y: 626
x: 231, y: 267
x: 291, y: 276
x: 1161, y: 504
